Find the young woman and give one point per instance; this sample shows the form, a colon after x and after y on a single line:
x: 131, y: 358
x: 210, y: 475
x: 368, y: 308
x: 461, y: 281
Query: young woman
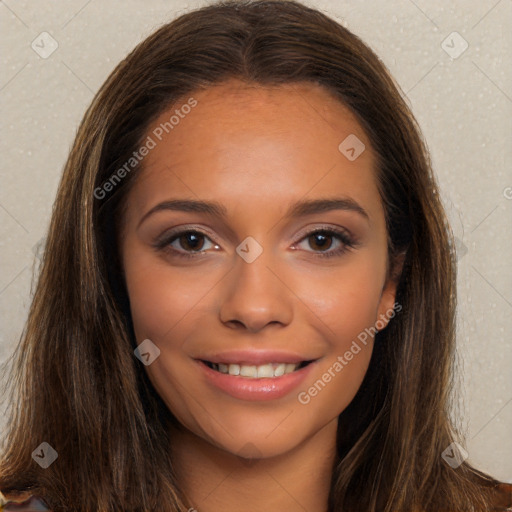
x: 247, y: 296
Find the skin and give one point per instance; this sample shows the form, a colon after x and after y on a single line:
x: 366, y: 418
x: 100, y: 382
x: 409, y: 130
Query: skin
x: 256, y: 150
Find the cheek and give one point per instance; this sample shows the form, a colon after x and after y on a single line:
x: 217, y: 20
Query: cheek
x: 345, y: 299
x: 163, y: 299
x: 165, y: 305
x: 345, y: 304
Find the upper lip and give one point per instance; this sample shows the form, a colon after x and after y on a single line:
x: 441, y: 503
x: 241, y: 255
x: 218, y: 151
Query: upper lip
x: 255, y: 357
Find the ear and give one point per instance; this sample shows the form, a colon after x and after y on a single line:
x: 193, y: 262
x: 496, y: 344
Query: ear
x: 388, y: 295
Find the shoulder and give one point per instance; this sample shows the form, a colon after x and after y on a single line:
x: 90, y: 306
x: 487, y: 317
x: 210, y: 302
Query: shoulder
x: 503, y: 499
x: 22, y: 501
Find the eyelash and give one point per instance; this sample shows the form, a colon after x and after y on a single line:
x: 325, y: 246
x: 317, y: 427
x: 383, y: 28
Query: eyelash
x: 347, y: 241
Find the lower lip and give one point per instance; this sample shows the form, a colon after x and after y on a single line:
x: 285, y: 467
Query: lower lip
x: 245, y: 388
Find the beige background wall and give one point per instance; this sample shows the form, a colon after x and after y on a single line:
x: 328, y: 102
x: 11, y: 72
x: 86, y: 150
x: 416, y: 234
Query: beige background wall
x: 461, y: 96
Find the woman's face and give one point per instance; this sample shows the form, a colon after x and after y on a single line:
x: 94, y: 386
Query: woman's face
x: 248, y: 284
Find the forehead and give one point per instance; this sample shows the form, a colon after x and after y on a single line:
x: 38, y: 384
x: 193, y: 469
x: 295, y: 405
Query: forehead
x: 245, y: 141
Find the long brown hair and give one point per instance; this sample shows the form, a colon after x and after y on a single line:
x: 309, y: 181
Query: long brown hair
x: 75, y: 382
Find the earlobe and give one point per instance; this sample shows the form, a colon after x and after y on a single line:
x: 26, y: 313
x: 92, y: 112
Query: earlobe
x: 386, y: 306
x: 388, y: 296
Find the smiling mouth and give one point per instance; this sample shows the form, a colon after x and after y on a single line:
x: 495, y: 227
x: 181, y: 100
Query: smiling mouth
x: 268, y: 370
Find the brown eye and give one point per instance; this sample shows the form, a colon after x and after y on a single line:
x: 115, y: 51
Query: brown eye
x: 188, y: 243
x: 320, y: 241
x: 191, y: 240
x: 328, y: 242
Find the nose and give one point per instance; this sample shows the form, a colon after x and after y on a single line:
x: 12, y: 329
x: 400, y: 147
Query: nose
x: 255, y: 296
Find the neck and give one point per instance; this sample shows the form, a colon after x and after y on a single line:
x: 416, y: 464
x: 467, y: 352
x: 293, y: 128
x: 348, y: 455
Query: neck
x: 214, y: 480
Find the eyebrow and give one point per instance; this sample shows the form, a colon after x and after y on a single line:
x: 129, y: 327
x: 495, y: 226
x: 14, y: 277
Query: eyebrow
x: 299, y: 209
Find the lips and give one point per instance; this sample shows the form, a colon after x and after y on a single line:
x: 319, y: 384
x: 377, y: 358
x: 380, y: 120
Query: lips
x: 255, y: 375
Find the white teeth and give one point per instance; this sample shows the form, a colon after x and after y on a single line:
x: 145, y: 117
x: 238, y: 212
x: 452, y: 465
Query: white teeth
x: 281, y: 368
x: 290, y: 367
x: 248, y: 371
x: 265, y: 371
x: 268, y: 370
x: 233, y: 369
